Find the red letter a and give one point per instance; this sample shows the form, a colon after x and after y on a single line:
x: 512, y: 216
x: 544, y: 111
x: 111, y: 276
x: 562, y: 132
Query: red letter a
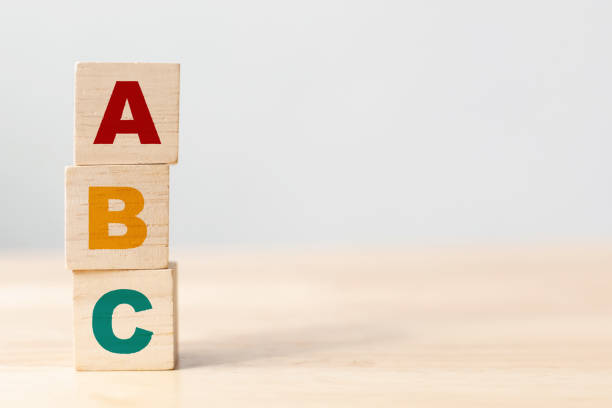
x: 127, y: 91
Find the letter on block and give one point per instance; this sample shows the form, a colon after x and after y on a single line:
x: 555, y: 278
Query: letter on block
x: 125, y: 319
x: 126, y: 113
x: 117, y: 217
x: 100, y: 218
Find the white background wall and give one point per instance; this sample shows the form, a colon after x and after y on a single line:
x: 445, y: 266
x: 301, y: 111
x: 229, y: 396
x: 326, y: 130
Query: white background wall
x: 333, y: 122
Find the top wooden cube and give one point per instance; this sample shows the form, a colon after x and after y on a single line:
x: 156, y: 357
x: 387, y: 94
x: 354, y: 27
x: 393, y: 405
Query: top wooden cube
x: 126, y: 113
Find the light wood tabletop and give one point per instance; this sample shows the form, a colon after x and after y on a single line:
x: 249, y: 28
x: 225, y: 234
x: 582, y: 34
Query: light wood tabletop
x: 437, y: 327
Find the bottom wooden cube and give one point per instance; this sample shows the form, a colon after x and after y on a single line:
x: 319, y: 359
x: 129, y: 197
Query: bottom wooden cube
x: 125, y: 319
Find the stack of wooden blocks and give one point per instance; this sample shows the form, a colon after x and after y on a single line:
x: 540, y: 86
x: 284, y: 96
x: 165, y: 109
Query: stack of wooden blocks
x: 117, y: 199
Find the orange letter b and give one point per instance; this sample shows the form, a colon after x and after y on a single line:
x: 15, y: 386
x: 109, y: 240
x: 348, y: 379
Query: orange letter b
x: 100, y: 217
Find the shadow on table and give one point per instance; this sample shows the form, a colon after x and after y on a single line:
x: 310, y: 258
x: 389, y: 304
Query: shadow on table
x: 281, y: 343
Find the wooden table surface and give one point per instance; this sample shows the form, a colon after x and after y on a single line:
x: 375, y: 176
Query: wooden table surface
x: 432, y: 327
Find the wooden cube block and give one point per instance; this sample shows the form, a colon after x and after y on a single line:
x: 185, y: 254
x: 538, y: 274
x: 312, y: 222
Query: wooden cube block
x: 117, y: 217
x: 126, y: 113
x: 125, y: 319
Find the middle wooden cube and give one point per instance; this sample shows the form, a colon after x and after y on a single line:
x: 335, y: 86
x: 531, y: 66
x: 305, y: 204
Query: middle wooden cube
x: 117, y: 217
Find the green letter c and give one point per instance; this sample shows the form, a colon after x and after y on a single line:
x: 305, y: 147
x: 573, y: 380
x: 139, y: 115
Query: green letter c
x: 102, y: 321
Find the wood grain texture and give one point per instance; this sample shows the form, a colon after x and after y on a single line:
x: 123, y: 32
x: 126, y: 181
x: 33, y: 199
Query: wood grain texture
x: 438, y: 327
x: 158, y: 285
x: 152, y: 181
x: 94, y: 84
